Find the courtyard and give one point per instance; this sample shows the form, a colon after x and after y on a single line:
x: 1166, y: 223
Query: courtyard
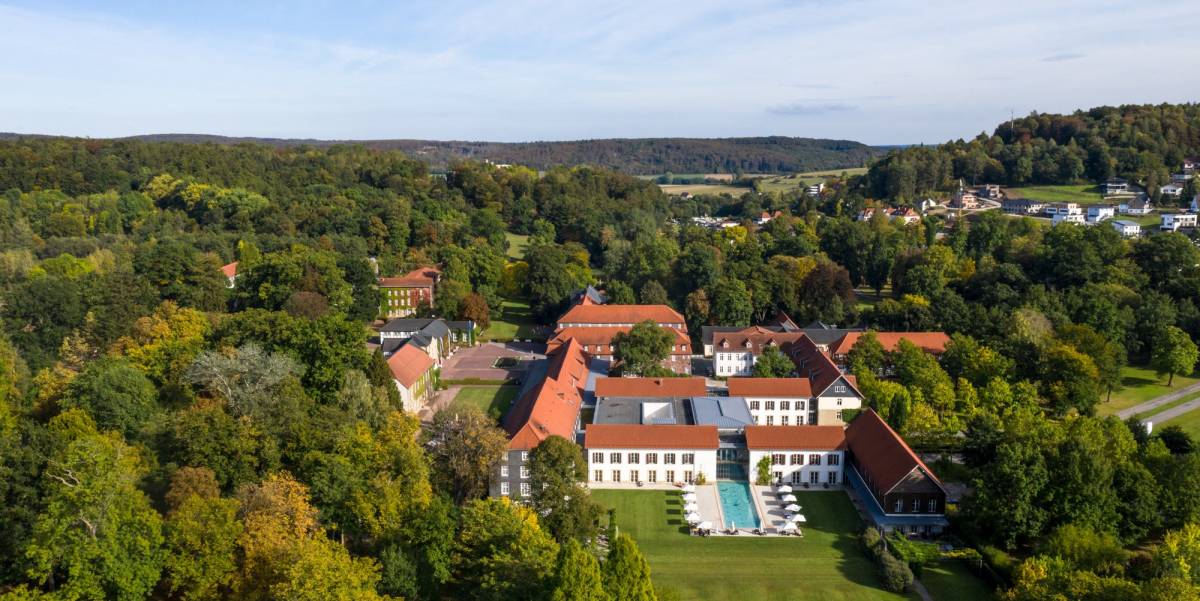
x: 492, y: 362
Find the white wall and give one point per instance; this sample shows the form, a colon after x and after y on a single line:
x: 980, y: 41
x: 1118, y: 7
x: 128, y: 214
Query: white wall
x: 731, y: 362
x: 797, y: 413
x: 805, y: 471
x: 705, y: 462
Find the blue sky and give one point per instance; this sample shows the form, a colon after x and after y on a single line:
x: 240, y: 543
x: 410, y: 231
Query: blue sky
x: 880, y: 72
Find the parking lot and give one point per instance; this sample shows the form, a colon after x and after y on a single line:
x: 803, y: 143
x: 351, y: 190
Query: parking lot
x: 480, y: 361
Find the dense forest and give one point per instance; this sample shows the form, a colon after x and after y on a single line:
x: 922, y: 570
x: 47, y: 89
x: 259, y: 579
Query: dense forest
x: 163, y: 436
x: 635, y: 156
x: 1143, y: 143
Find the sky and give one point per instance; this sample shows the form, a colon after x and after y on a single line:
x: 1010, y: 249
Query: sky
x: 880, y: 72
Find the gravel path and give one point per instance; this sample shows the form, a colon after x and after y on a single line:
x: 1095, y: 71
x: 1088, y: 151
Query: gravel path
x: 1157, y: 402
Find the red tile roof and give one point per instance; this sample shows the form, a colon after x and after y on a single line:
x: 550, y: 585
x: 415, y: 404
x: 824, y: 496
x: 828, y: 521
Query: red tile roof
x: 417, y: 278
x: 825, y: 438
x: 230, y: 270
x: 409, y: 363
x: 880, y: 453
x: 650, y: 387
x: 620, y: 314
x: 602, y: 336
x: 821, y: 371
x: 550, y: 408
x: 930, y: 342
x: 770, y: 387
x: 757, y: 337
x: 635, y: 436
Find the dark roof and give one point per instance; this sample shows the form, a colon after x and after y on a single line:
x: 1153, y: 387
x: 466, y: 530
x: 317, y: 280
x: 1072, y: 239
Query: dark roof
x: 436, y: 329
x: 883, y: 457
x: 465, y: 324
x: 406, y: 324
x: 591, y: 293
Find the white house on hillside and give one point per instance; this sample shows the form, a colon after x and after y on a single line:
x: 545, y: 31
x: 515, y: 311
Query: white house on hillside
x: 1137, y: 206
x: 1098, y: 213
x: 1173, y: 222
x: 1129, y: 229
x: 1068, y: 218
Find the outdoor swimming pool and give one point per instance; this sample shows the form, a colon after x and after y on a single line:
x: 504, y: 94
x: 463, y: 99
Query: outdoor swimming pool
x: 737, y: 505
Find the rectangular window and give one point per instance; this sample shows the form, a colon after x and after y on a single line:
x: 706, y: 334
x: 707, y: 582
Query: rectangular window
x: 689, y: 458
x: 933, y: 506
x: 785, y: 405
x: 504, y: 489
x: 616, y: 475
x: 770, y: 405
x: 814, y: 477
x: 635, y: 458
x: 504, y: 471
x: 669, y: 458
x: 899, y: 505
x: 755, y: 419
x: 777, y: 476
x: 814, y: 459
x: 524, y: 455
x: 614, y: 458
x: 598, y: 476
x: 777, y: 459
x: 633, y: 475
x: 833, y: 459
x: 524, y: 471
x: 754, y: 405
x: 525, y: 489
x: 797, y: 477
x: 652, y: 476
x: 799, y: 405
x: 597, y: 457
x: 916, y: 505
x: 800, y: 420
x: 670, y: 475
x: 833, y: 477
x: 651, y: 458
x: 770, y: 420
x: 839, y: 389
x: 839, y: 416
x: 687, y: 477
x: 797, y: 459
x: 783, y: 421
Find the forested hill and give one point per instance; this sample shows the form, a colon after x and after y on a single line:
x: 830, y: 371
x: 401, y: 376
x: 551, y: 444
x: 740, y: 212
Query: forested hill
x: 636, y: 156
x: 1144, y: 143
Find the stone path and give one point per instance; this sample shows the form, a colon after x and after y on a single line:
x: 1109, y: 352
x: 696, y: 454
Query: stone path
x: 1159, y: 401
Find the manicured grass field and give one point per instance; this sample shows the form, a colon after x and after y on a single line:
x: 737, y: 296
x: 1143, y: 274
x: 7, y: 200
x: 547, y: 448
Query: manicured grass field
x: 1080, y: 193
x: 1140, y: 384
x: 825, y: 565
x: 704, y: 189
x: 492, y: 400
x: 516, y: 245
x: 1190, y: 422
x: 514, y: 321
x: 950, y: 580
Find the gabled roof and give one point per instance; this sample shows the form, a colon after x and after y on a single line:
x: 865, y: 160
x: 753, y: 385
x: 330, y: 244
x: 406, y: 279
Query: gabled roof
x: 930, y: 342
x: 406, y: 324
x: 770, y: 387
x: 821, y: 371
x: 782, y: 438
x: 632, y: 436
x: 408, y: 364
x: 619, y: 314
x: 230, y: 270
x: 753, y: 339
x: 588, y: 296
x: 550, y: 407
x: 420, y: 277
x: 603, y: 336
x: 650, y: 387
x: 883, y: 457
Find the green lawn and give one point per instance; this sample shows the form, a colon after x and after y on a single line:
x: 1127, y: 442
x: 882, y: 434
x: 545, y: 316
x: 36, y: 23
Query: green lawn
x: 1190, y: 422
x: 1140, y: 384
x: 827, y: 564
x: 492, y: 400
x: 516, y: 245
x: 515, y: 321
x: 951, y: 580
x: 1080, y: 193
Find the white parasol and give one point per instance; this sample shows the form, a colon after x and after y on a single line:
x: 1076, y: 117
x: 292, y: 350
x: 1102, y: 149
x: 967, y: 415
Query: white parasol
x: 784, y: 489
x: 792, y: 508
x: 789, y: 498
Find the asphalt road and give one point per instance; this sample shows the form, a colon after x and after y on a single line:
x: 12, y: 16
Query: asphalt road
x: 1159, y: 401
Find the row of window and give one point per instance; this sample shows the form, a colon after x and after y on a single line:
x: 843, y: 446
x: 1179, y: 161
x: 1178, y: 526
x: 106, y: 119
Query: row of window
x: 932, y: 505
x: 798, y: 459
x: 524, y: 489
x: 651, y: 476
x: 785, y: 421
x: 770, y: 405
x: 524, y: 471
x: 813, y: 477
x: 651, y: 458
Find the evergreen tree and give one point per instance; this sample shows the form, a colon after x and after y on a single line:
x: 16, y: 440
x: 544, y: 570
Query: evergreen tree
x: 626, y: 573
x: 578, y: 575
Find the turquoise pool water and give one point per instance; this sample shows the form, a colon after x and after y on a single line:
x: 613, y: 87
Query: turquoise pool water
x: 737, y: 505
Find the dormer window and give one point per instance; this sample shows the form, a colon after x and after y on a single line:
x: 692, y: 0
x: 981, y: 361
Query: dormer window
x: 724, y: 344
x: 748, y: 344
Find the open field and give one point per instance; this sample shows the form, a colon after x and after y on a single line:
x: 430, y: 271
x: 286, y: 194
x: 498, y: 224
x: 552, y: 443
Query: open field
x: 1140, y: 384
x: 516, y: 245
x: 950, y: 580
x: 676, y: 189
x: 1080, y: 193
x: 492, y: 400
x: 515, y: 321
x: 826, y: 564
x: 1190, y: 422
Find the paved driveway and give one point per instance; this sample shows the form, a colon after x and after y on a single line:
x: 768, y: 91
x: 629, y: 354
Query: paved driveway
x: 480, y: 361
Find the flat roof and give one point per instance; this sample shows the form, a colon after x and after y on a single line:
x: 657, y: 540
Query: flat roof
x: 722, y: 412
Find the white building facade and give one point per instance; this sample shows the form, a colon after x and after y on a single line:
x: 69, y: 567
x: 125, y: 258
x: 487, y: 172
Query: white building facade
x: 620, y: 454
x: 798, y: 456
